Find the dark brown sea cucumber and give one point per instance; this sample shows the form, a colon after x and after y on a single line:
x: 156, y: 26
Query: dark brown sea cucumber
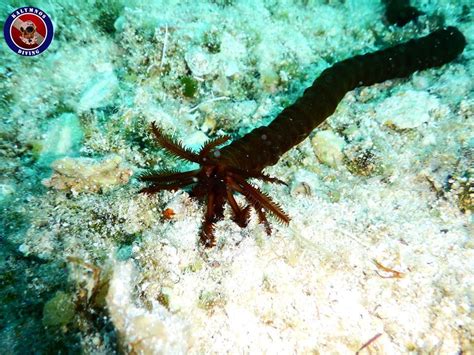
x: 224, y: 171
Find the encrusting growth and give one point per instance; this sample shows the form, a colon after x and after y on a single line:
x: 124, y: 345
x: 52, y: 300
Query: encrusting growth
x: 225, y: 171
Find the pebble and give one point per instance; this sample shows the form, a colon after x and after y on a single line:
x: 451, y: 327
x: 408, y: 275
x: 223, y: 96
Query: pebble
x: 328, y: 148
x: 99, y: 92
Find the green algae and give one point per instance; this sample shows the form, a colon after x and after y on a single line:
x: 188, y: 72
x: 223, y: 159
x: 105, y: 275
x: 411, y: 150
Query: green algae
x: 209, y: 300
x: 212, y: 41
x: 189, y: 86
x: 59, y: 310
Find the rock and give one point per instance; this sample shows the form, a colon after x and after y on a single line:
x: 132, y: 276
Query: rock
x: 406, y: 110
x: 63, y: 136
x: 232, y: 55
x: 199, y: 62
x: 328, y: 148
x: 144, y: 331
x: 99, y: 91
x: 124, y: 253
x: 195, y: 140
x: 246, y: 108
x: 59, y: 310
x: 120, y: 24
x: 269, y: 80
x: 85, y: 174
x: 6, y: 191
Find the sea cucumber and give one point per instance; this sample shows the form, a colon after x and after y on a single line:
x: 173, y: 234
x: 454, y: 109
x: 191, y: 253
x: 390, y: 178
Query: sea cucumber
x: 224, y: 171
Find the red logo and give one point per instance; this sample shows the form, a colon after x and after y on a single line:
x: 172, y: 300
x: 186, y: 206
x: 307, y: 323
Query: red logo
x: 28, y: 31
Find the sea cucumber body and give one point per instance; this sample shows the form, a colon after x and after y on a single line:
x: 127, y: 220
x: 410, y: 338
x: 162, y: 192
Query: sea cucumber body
x: 265, y: 145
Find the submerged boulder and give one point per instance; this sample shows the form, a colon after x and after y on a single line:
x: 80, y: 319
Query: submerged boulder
x: 63, y: 137
x: 87, y: 175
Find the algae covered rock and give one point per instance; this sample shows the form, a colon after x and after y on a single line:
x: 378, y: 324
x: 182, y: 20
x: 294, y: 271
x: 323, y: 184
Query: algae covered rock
x: 59, y: 310
x: 199, y: 62
x: 143, y: 331
x: 86, y: 174
x: 63, y: 136
x: 362, y: 161
x: 407, y: 110
x: 6, y: 191
x: 99, y: 91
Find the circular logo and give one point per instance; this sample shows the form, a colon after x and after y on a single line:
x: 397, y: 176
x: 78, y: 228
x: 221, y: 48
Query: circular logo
x: 28, y: 31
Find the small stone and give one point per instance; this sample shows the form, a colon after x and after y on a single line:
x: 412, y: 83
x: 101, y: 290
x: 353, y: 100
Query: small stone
x: 63, y: 136
x: 124, y: 253
x: 99, y: 91
x: 246, y: 108
x: 231, y: 68
x: 24, y: 249
x: 233, y: 52
x: 269, y: 80
x: 6, y: 191
x: 328, y: 148
x: 304, y: 183
x: 120, y: 24
x: 406, y: 110
x: 199, y: 62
